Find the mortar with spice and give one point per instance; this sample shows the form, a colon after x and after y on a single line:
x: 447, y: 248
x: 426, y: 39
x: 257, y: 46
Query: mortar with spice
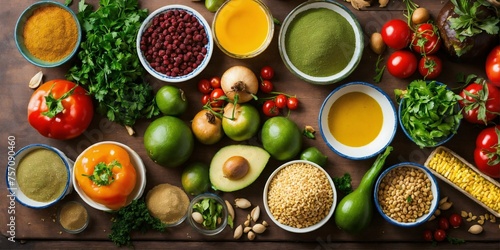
x: 47, y: 34
x: 321, y: 42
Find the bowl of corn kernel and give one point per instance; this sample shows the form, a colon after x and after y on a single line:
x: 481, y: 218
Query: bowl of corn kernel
x: 406, y: 194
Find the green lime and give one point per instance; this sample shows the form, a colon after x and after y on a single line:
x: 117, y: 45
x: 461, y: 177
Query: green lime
x: 195, y: 178
x: 313, y: 154
x: 168, y: 141
x: 171, y: 100
x: 281, y: 138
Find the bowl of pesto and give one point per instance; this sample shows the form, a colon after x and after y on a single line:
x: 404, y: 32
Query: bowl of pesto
x: 321, y: 42
x: 39, y: 176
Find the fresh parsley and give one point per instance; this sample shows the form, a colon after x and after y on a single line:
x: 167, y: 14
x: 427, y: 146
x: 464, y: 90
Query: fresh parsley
x: 109, y: 66
x: 472, y: 20
x: 343, y: 183
x: 103, y: 173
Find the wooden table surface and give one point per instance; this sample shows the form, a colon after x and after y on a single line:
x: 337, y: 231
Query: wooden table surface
x: 37, y: 229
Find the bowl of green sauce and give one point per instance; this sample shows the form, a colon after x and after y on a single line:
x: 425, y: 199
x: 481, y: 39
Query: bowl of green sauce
x: 321, y: 42
x: 38, y: 176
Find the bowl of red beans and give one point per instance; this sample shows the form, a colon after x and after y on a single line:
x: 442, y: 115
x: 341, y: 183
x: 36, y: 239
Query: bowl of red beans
x: 174, y: 43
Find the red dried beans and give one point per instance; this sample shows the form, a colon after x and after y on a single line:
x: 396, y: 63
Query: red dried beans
x: 175, y: 42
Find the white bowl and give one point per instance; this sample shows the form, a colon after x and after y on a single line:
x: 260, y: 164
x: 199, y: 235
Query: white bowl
x: 140, y: 185
x: 359, y: 42
x: 434, y: 190
x: 209, y: 46
x: 294, y: 229
x: 384, y: 137
x: 13, y: 186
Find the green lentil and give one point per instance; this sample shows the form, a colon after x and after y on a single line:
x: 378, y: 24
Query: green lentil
x: 320, y: 42
x: 41, y: 175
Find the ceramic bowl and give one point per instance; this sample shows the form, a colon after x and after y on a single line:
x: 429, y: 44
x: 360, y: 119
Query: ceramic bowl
x: 380, y: 142
x: 434, y: 188
x: 292, y: 186
x: 136, y: 161
x: 19, y: 38
x: 17, y: 192
x: 200, y: 228
x: 180, y: 76
x: 358, y: 45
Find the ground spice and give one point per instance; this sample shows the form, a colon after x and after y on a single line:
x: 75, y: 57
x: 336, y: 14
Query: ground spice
x: 73, y: 216
x: 167, y: 203
x: 320, y: 42
x: 50, y: 34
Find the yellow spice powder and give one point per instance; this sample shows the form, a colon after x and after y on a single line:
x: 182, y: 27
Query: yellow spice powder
x: 73, y: 216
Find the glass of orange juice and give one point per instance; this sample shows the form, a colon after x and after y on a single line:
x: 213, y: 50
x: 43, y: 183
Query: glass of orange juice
x: 243, y: 28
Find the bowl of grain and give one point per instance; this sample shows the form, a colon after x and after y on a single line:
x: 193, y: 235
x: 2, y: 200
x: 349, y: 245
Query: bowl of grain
x: 406, y: 194
x: 39, y: 176
x: 321, y: 42
x: 47, y: 34
x: 314, y: 199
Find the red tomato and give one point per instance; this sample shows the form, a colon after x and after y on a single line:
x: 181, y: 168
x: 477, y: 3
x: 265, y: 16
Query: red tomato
x: 215, y: 82
x: 217, y: 97
x: 281, y: 101
x: 480, y: 102
x: 443, y: 223
x: 204, y: 86
x: 60, y: 109
x: 396, y: 34
x: 455, y: 220
x: 493, y: 66
x: 487, y: 151
x: 439, y: 235
x: 430, y: 67
x: 269, y: 108
x: 267, y: 73
x: 266, y: 86
x: 426, y: 40
x: 205, y: 99
x: 402, y: 64
x: 292, y: 103
x: 427, y: 235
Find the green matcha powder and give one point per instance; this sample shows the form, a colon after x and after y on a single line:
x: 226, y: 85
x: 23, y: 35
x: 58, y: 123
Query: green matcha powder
x: 320, y: 42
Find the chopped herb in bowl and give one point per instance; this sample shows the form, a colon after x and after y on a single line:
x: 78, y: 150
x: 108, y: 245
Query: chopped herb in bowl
x: 428, y: 112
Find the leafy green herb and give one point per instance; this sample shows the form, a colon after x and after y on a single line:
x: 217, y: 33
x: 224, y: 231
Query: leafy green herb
x: 429, y: 112
x: 109, y: 66
x: 379, y: 71
x: 68, y: 2
x: 103, y: 174
x: 211, y: 210
x: 455, y: 241
x: 134, y: 217
x: 343, y: 184
x: 472, y: 19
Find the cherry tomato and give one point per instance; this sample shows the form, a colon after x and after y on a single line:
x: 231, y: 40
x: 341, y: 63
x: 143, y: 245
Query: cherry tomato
x: 269, y: 108
x: 443, y: 223
x: 430, y: 66
x: 396, y: 34
x: 493, y: 66
x: 215, y: 82
x: 402, y: 64
x: 480, y: 102
x: 427, y: 235
x: 267, y: 73
x: 205, y: 99
x: 292, y: 103
x: 204, y: 86
x: 216, y: 98
x: 426, y: 40
x: 439, y: 235
x: 455, y: 220
x: 281, y: 101
x: 487, y: 151
x: 266, y: 86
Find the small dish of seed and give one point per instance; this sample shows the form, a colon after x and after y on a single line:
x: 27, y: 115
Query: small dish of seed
x: 406, y: 194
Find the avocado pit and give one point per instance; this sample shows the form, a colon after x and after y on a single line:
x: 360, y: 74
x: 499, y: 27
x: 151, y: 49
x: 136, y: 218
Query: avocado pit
x: 235, y: 167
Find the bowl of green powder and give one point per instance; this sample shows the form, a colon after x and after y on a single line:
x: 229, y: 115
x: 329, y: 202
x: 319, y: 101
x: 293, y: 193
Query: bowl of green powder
x: 321, y: 42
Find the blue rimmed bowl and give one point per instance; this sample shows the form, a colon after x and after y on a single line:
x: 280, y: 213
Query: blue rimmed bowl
x: 381, y: 140
x: 12, y: 177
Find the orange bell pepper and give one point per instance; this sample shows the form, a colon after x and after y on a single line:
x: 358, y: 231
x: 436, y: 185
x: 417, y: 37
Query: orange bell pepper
x: 106, y: 175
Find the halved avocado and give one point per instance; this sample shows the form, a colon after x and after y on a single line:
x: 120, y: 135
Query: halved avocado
x: 257, y: 159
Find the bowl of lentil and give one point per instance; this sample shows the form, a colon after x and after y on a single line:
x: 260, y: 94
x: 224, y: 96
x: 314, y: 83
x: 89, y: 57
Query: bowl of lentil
x: 406, y: 194
x: 321, y: 42
x: 39, y: 176
x: 47, y: 34
x: 174, y: 43
x: 299, y: 208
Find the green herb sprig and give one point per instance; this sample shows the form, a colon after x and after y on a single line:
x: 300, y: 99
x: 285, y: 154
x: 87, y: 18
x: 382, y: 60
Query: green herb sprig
x: 343, y: 183
x: 472, y: 20
x: 103, y: 173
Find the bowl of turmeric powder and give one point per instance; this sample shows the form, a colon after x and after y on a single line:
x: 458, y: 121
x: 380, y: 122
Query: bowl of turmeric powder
x: 47, y: 34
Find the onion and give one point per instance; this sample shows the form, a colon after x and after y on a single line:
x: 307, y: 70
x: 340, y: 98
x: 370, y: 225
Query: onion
x: 207, y: 127
x: 239, y: 83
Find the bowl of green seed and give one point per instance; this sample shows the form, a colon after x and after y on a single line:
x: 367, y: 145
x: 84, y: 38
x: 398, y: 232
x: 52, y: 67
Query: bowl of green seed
x: 321, y: 42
